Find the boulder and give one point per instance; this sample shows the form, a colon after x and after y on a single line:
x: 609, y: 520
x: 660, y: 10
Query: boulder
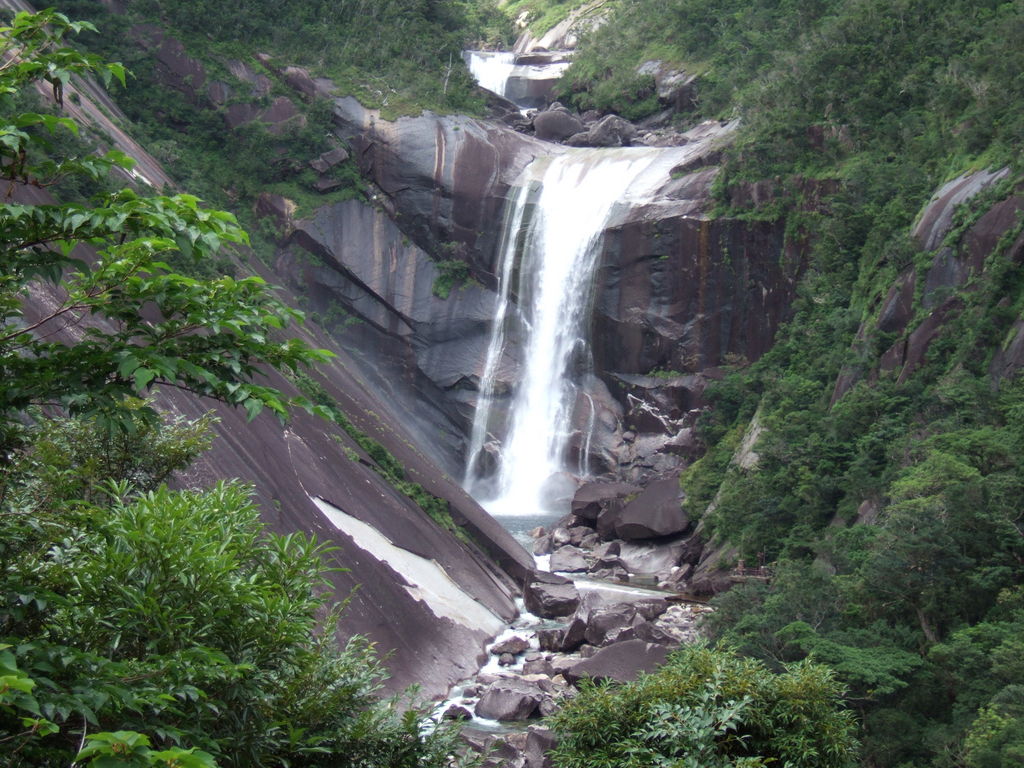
x: 648, y: 632
x: 591, y: 498
x: 457, y: 712
x: 569, y: 559
x: 509, y: 699
x: 649, y: 558
x: 579, y: 533
x: 549, y: 596
x: 328, y: 160
x: 260, y: 85
x: 651, y: 608
x: 512, y: 645
x: 605, y: 624
x: 574, y: 635
x: 676, y: 88
x: 540, y: 666
x: 556, y: 125
x: 539, y: 742
x: 499, y: 753
x: 542, y: 546
x: 609, y: 131
x: 655, y: 513
x: 560, y: 537
x: 323, y: 185
x: 550, y: 639
x: 613, y: 573
x: 621, y: 662
x: 548, y: 706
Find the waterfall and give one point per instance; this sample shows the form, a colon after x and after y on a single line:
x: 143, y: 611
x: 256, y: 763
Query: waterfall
x: 491, y: 69
x: 551, y: 244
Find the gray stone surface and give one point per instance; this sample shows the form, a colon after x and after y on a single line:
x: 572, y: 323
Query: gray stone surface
x: 509, y: 699
x: 654, y: 513
x: 549, y: 595
x: 621, y: 662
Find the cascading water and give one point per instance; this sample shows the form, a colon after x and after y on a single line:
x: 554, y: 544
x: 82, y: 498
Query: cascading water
x: 491, y: 69
x: 551, y: 245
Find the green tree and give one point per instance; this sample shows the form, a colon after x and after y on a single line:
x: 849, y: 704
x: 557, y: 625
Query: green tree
x: 90, y: 271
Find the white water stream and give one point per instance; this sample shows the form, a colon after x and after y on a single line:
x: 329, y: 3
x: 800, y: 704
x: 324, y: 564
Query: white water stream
x: 552, y: 241
x: 500, y: 73
x: 492, y: 69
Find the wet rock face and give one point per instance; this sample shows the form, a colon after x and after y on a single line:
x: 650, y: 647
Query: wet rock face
x: 447, y: 177
x: 685, y: 294
x: 374, y: 290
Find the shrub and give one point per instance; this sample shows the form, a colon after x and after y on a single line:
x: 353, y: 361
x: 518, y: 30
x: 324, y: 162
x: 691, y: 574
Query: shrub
x: 708, y: 708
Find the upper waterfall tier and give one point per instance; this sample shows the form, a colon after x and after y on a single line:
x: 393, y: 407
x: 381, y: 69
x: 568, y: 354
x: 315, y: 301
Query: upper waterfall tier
x: 526, y: 79
x: 552, y: 244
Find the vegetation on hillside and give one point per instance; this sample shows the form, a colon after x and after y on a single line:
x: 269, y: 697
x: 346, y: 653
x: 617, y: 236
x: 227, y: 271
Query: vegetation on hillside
x: 398, y: 56
x: 708, y: 708
x: 141, y: 626
x: 853, y: 114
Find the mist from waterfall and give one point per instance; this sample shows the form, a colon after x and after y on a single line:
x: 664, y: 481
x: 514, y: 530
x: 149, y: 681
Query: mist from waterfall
x: 554, y: 222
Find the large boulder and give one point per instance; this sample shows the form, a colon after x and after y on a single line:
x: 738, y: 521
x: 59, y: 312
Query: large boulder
x: 569, y: 559
x: 655, y: 513
x: 556, y: 125
x: 549, y: 595
x: 605, y: 624
x: 509, y: 699
x: 593, y: 497
x: 609, y: 131
x: 621, y: 662
x: 676, y: 88
x: 648, y: 558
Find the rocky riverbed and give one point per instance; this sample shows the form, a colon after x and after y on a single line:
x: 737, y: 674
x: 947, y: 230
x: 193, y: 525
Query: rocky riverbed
x: 569, y: 630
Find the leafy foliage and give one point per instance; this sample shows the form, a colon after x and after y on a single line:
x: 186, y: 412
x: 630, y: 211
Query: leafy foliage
x: 174, y: 613
x: 207, y: 336
x: 708, y: 709
x: 142, y: 626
